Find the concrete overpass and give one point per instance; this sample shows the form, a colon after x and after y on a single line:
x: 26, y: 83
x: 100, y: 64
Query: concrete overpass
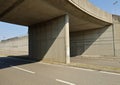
x: 59, y: 29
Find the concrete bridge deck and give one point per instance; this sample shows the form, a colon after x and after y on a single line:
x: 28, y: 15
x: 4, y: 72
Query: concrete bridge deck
x: 83, y: 15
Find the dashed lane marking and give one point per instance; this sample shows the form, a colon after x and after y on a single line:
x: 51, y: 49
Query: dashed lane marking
x: 22, y: 69
x: 65, y: 82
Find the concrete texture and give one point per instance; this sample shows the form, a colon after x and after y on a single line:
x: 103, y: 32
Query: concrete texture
x: 116, y: 30
x: 49, y: 41
x: 109, y: 61
x: 14, y: 46
x: 103, y: 63
x: 92, y: 10
x: 104, y: 41
x: 92, y: 42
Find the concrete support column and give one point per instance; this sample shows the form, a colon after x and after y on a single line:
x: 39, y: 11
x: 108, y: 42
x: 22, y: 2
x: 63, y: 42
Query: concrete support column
x: 49, y: 41
x: 116, y: 34
x: 67, y: 38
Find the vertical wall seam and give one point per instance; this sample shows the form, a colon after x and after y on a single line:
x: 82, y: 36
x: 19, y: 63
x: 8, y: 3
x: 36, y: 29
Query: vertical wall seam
x: 113, y: 40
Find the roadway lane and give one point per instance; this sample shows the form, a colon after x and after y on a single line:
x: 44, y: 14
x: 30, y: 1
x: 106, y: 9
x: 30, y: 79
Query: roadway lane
x: 19, y: 72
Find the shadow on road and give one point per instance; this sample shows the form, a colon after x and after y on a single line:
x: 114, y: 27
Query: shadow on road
x: 6, y: 62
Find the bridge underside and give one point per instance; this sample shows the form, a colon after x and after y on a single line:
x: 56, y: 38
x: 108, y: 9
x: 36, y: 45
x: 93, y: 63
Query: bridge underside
x: 29, y: 12
x: 57, y: 30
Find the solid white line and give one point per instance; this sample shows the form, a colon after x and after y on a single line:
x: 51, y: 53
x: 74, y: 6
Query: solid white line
x: 65, y: 82
x: 105, y: 72
x: 67, y: 67
x: 82, y: 69
x: 23, y: 69
x: 109, y: 73
x: 76, y: 68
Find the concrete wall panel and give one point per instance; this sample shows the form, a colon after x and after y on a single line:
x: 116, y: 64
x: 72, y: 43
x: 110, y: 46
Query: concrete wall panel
x: 14, y: 46
x: 92, y: 42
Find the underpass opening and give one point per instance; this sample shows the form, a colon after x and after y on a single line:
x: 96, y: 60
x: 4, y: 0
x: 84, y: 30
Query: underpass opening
x: 13, y: 40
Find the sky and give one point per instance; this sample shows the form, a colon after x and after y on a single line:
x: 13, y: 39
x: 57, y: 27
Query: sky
x: 8, y: 30
x: 111, y: 6
x: 11, y: 30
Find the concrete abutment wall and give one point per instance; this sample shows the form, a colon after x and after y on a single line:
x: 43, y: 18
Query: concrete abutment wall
x: 17, y: 46
x: 92, y: 42
x: 49, y: 41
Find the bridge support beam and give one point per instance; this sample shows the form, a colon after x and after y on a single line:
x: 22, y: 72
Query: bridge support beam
x: 49, y: 41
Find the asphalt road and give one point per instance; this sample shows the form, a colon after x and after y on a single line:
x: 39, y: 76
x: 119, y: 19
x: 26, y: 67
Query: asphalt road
x: 19, y: 72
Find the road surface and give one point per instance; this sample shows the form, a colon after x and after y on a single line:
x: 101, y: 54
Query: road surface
x: 20, y: 72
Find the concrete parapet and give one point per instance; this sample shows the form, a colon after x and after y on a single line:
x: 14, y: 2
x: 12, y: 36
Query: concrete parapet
x: 92, y: 10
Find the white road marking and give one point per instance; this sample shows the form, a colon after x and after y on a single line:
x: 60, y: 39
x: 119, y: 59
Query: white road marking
x: 109, y: 73
x: 76, y: 68
x: 65, y: 82
x: 82, y: 69
x: 22, y: 69
x: 67, y: 66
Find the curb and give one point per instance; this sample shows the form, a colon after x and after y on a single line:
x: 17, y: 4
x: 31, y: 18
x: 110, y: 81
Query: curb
x: 96, y: 67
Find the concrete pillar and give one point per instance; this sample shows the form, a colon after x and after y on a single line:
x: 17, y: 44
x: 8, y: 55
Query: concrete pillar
x: 116, y: 33
x: 49, y: 41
